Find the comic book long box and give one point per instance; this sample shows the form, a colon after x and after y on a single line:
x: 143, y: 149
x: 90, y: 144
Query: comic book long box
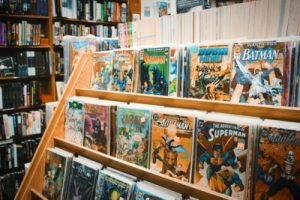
x: 260, y: 73
x: 132, y: 138
x: 221, y: 157
x: 154, y: 70
x: 96, y: 127
x: 210, y: 72
x: 172, y: 145
x: 278, y: 164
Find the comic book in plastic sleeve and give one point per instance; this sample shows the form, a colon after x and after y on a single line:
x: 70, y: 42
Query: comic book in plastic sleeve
x: 174, y: 69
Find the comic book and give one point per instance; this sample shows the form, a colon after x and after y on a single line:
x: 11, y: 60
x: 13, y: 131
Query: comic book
x: 210, y: 72
x: 97, y: 126
x: 154, y: 70
x: 185, y: 76
x: 132, y: 138
x: 102, y: 71
x: 223, y: 148
x: 146, y: 190
x: 174, y: 69
x: 74, y: 123
x: 172, y: 144
x: 277, y: 169
x: 56, y: 173
x: 82, y: 181
x: 260, y: 73
x: 113, y: 186
x: 123, y: 70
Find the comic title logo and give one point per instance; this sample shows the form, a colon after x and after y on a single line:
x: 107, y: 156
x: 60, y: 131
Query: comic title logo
x: 208, y: 55
x: 104, y: 58
x: 252, y: 55
x: 223, y: 130
x: 287, y: 136
x: 155, y: 59
x: 134, y: 120
x: 178, y: 123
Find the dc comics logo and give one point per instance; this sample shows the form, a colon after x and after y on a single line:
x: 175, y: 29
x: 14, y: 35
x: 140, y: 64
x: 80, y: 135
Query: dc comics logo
x: 155, y: 117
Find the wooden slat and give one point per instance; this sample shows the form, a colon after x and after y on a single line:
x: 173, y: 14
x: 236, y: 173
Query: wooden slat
x: 141, y: 173
x: 35, y: 195
x: 262, y: 111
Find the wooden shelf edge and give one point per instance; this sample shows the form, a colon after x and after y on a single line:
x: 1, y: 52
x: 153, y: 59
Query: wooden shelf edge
x: 137, y: 171
x: 262, y: 111
x: 36, y: 195
x: 70, y: 20
x: 26, y: 47
x: 20, y: 78
x: 22, y: 108
x: 20, y: 16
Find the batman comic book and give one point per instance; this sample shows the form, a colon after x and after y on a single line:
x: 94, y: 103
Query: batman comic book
x: 102, y: 71
x: 221, y: 157
x: 74, y: 123
x: 210, y: 72
x: 96, y: 127
x: 54, y: 176
x: 154, y: 70
x: 82, y: 180
x: 260, y: 73
x: 132, y: 138
x: 172, y: 145
x: 123, y: 70
x: 278, y: 161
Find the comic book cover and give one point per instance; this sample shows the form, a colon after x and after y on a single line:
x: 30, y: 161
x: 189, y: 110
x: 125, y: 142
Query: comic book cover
x: 174, y: 69
x: 154, y: 70
x: 132, y: 137
x: 278, y: 161
x: 113, y: 187
x: 102, y: 72
x: 54, y: 176
x: 185, y: 84
x: 123, y: 70
x: 82, y: 181
x: 74, y: 123
x: 172, y: 145
x: 210, y: 72
x: 260, y: 73
x: 221, y: 161
x: 96, y: 127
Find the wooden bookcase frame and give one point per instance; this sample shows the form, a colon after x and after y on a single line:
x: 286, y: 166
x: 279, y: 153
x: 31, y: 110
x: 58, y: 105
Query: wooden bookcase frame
x: 31, y: 187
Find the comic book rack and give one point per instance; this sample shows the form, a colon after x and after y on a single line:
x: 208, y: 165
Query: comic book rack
x: 31, y: 187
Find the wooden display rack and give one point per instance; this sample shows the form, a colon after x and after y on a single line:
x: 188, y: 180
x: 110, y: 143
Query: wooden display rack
x: 31, y: 187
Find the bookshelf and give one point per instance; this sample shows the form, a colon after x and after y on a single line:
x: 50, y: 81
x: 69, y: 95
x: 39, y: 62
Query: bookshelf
x: 78, y: 85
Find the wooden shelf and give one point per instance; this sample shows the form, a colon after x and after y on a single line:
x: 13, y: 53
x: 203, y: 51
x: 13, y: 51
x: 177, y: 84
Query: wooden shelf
x: 141, y: 173
x: 25, y: 78
x: 24, y: 17
x: 265, y: 112
x: 22, y: 108
x: 20, y: 138
x: 25, y: 47
x: 82, y: 21
x: 11, y: 170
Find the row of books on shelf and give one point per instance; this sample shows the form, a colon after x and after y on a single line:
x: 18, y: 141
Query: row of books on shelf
x: 25, y: 63
x: 91, y: 10
x: 24, y: 7
x: 228, y: 155
x: 16, y: 94
x: 15, y: 155
x: 21, y: 124
x: 61, y: 30
x: 10, y: 183
x: 239, y: 71
x: 20, y: 34
x: 78, y: 177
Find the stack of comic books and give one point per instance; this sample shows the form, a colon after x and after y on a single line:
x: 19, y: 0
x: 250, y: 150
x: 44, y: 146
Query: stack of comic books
x: 132, y: 134
x: 113, y: 184
x: 146, y: 190
x: 277, y: 161
x: 172, y: 142
x: 56, y: 174
x: 83, y: 178
x: 223, y: 154
x: 159, y: 69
